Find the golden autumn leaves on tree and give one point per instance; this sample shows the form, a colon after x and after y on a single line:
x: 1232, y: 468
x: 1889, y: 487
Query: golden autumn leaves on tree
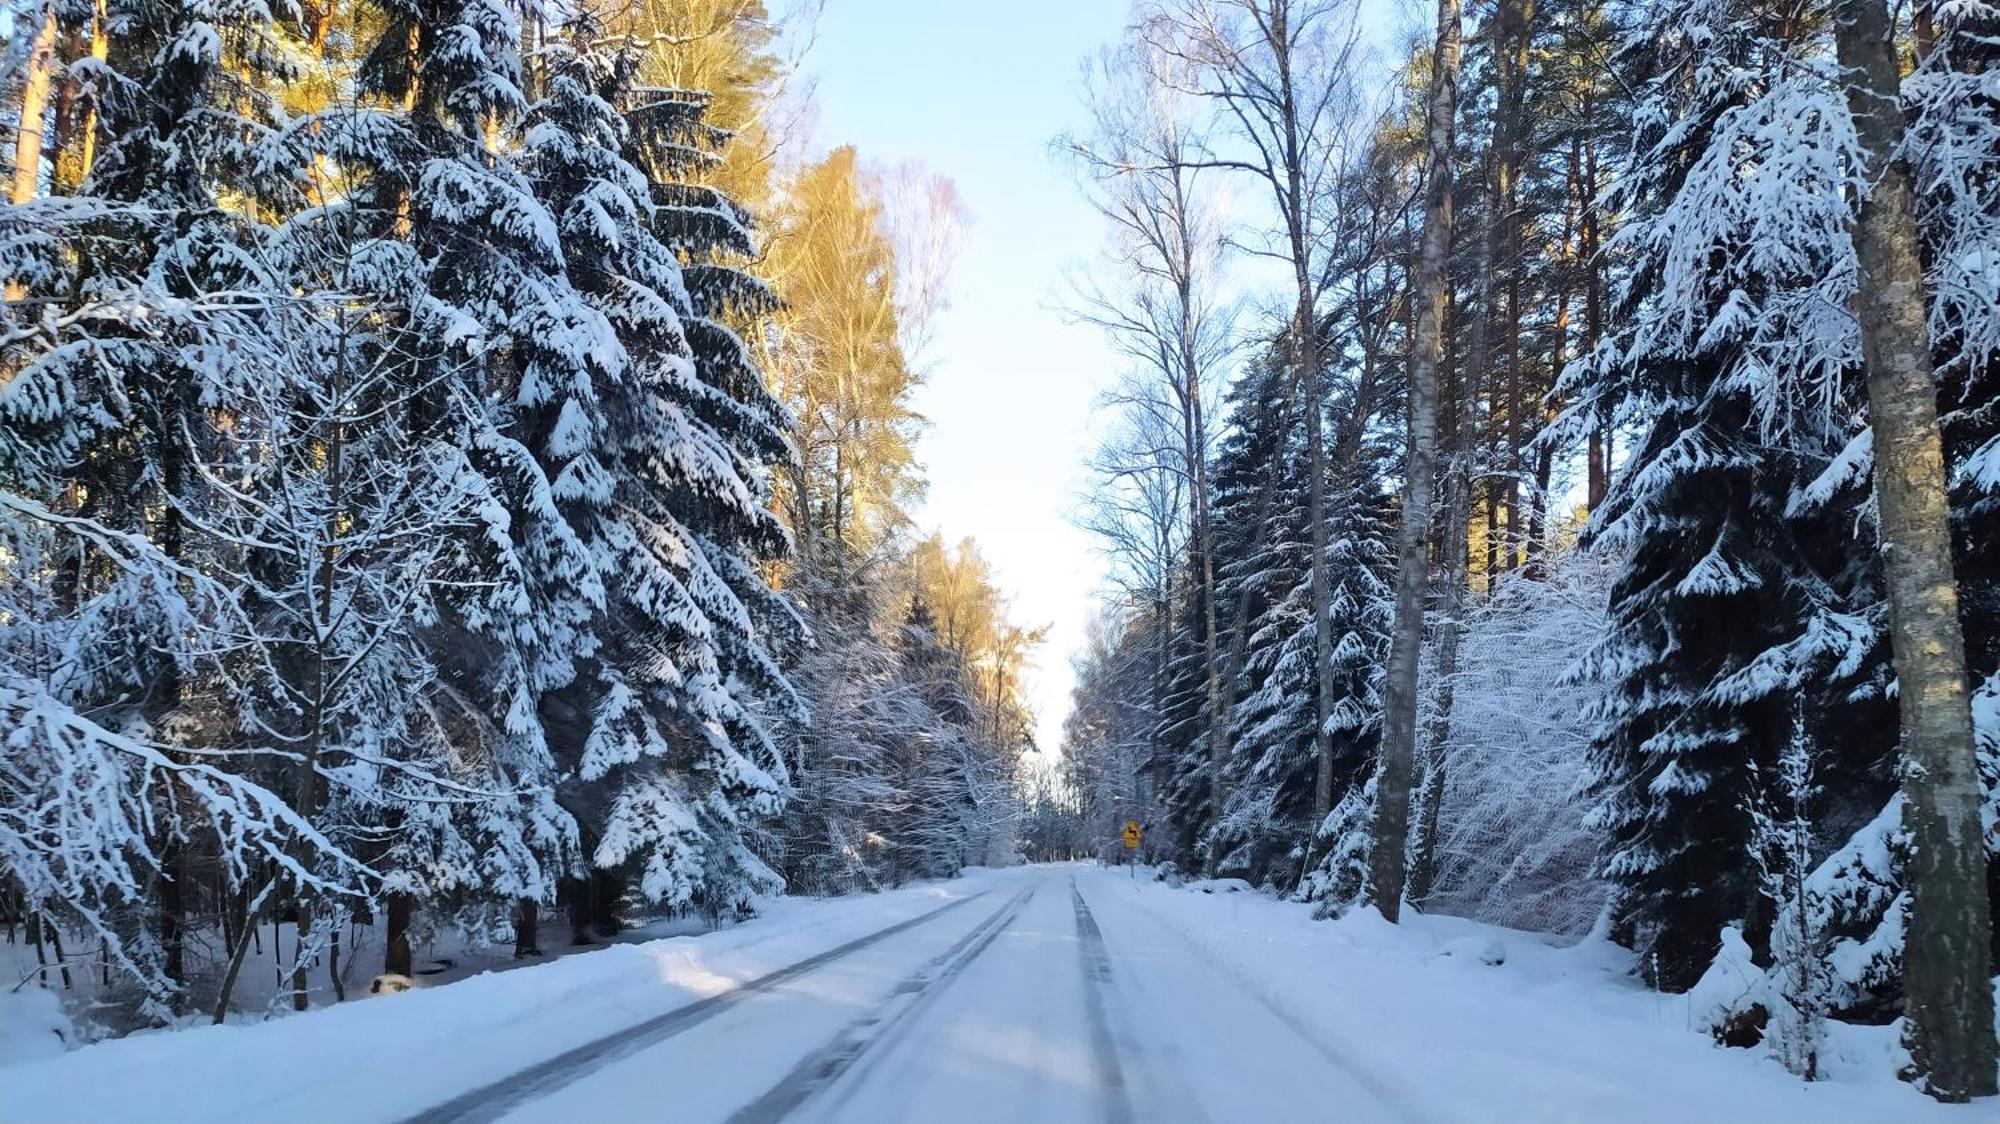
x: 859, y: 255
x: 836, y: 353
x: 970, y: 616
x: 732, y: 50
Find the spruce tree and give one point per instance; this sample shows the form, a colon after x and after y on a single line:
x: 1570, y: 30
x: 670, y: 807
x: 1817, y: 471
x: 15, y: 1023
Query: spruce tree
x: 156, y: 330
x: 1738, y: 591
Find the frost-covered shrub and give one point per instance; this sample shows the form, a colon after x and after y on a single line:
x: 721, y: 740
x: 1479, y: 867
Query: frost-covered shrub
x: 1513, y: 848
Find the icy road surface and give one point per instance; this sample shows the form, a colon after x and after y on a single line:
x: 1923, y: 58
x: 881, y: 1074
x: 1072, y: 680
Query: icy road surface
x: 1040, y: 994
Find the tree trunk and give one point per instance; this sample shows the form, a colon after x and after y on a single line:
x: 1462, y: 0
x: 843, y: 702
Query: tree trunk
x: 396, y: 935
x: 1423, y: 846
x: 333, y: 961
x: 62, y: 961
x: 170, y: 925
x: 606, y: 889
x: 41, y: 951
x: 576, y: 900
x: 1195, y: 426
x: 1598, y: 480
x: 246, y: 931
x: 1305, y: 332
x: 1399, y: 719
x: 301, y: 986
x: 1947, y: 953
x: 1453, y: 570
x: 1513, y: 33
x: 48, y: 939
x: 527, y: 929
x: 34, y: 105
x: 1545, y: 454
x: 76, y: 117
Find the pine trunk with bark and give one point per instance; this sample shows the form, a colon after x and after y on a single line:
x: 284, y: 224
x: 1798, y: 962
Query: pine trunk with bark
x: 76, y: 115
x: 37, y: 72
x: 170, y: 922
x: 1204, y: 531
x: 1597, y: 482
x: 1305, y: 339
x: 301, y: 962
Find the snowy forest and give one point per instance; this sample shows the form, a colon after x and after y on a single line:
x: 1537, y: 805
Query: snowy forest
x: 1560, y: 485
x: 460, y: 485
x: 454, y: 468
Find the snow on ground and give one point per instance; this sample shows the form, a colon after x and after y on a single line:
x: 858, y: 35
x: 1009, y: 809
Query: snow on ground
x: 1550, y: 1034
x: 263, y: 987
x: 1052, y: 994
x: 389, y: 1056
x: 32, y: 1027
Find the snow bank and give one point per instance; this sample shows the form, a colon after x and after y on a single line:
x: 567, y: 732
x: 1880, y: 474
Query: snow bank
x: 32, y: 1026
x: 389, y: 1056
x: 1467, y: 1023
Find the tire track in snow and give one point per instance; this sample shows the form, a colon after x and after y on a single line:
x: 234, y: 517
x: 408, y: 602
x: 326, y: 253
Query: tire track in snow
x: 492, y: 1101
x: 822, y: 1069
x: 1116, y: 1104
x: 1398, y: 1101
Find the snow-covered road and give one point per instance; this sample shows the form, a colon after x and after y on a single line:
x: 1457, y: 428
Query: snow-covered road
x: 1039, y: 994
x: 1043, y: 998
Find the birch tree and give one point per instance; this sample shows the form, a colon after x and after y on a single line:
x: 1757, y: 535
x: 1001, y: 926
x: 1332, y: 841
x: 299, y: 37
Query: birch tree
x: 1428, y: 293
x: 1279, y: 75
x: 1143, y: 161
x: 1946, y: 957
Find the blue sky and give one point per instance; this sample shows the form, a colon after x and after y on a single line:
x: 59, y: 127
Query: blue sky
x: 975, y: 90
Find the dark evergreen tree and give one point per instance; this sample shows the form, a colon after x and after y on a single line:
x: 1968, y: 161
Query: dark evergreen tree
x: 1740, y: 592
x: 1262, y: 545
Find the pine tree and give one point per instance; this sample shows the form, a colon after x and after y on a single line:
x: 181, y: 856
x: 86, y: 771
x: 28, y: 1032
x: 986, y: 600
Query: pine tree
x: 1261, y: 547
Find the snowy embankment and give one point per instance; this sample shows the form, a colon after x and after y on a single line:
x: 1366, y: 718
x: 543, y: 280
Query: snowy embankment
x: 1545, y: 1034
x: 386, y: 1057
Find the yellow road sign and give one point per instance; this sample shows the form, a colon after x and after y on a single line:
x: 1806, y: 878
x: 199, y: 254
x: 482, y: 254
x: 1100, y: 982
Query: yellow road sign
x: 1132, y: 835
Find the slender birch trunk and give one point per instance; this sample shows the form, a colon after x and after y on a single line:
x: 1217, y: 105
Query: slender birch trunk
x: 1290, y: 179
x: 1947, y: 954
x: 1399, y: 720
